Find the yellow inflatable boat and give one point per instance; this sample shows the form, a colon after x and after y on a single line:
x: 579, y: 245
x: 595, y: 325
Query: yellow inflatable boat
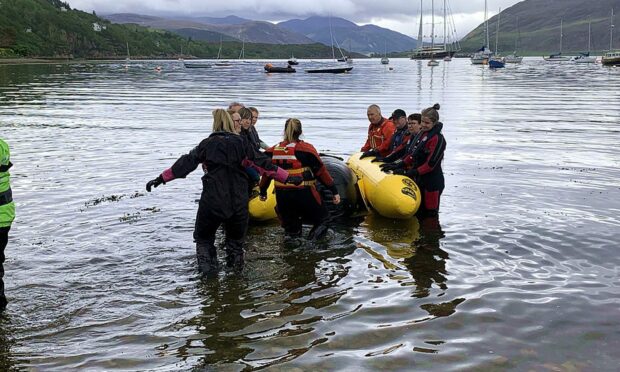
x: 390, y: 195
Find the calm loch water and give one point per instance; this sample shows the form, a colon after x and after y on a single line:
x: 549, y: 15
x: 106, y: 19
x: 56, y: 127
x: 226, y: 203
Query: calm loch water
x: 520, y: 272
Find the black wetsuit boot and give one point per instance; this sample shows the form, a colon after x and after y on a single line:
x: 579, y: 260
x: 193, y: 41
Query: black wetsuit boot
x: 206, y: 256
x: 234, y: 254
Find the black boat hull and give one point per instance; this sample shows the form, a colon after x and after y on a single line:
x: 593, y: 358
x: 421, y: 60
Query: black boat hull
x: 435, y: 55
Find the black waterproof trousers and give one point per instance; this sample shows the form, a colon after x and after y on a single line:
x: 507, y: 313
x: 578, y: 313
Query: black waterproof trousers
x: 4, y: 239
x: 235, y: 228
x: 298, y: 206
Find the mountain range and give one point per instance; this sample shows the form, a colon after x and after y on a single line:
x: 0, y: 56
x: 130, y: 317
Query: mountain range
x: 365, y: 39
x: 534, y: 25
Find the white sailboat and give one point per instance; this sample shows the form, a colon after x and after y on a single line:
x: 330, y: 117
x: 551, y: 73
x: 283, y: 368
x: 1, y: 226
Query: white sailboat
x: 219, y: 62
x: 514, y: 57
x: 128, y: 58
x: 481, y: 57
x: 585, y: 57
x: 558, y: 57
x: 385, y: 60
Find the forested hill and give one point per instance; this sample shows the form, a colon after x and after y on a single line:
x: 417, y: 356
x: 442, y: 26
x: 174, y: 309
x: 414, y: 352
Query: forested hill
x: 539, y: 26
x: 50, y: 28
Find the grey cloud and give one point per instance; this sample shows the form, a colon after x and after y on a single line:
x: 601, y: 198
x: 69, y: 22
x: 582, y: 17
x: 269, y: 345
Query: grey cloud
x: 359, y: 11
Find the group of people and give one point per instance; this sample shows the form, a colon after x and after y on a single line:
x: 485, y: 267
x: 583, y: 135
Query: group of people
x: 412, y: 146
x: 233, y: 164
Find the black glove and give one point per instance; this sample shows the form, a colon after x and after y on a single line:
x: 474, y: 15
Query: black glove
x: 400, y: 171
x: 368, y: 153
x: 295, y: 180
x: 377, y: 159
x: 155, y: 182
x: 262, y: 194
x: 390, y: 166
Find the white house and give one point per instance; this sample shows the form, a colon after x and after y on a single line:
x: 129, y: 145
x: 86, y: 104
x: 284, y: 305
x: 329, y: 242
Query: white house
x: 96, y: 27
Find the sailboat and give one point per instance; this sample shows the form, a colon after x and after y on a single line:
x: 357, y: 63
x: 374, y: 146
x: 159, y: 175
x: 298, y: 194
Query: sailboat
x: 585, y: 57
x: 482, y: 55
x: 424, y: 52
x: 292, y: 61
x: 558, y: 57
x: 514, y: 57
x: 497, y: 61
x: 385, y: 60
x: 611, y: 58
x: 433, y: 61
x: 128, y: 58
x: 331, y: 70
x: 219, y: 53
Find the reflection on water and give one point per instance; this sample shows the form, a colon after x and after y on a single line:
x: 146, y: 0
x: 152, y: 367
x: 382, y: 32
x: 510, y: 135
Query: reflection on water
x: 519, y: 271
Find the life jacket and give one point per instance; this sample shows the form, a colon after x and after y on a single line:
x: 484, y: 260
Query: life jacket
x: 284, y: 157
x: 7, y: 207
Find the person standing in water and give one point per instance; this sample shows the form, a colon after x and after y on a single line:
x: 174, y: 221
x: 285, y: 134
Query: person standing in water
x: 299, y: 203
x: 423, y: 163
x: 7, y: 212
x: 224, y: 198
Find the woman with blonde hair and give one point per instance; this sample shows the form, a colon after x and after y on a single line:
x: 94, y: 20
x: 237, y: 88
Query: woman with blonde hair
x: 224, y: 198
x: 299, y: 203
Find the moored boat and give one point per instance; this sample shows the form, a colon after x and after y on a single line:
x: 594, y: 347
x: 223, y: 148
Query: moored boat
x: 330, y: 70
x: 270, y: 68
x: 196, y: 65
x: 611, y: 58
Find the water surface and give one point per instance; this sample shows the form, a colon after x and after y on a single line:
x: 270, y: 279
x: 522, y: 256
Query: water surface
x: 521, y: 270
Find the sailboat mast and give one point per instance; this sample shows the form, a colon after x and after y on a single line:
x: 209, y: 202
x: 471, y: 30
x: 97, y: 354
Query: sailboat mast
x: 445, y: 26
x: 486, y: 25
x: 331, y: 36
x: 420, y: 31
x: 518, y: 36
x: 497, y: 30
x: 589, y: 32
x: 561, y: 35
x: 432, y: 24
x: 611, y: 30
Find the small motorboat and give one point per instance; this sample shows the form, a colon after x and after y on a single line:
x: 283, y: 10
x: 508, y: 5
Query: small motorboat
x: 330, y: 70
x: 271, y: 68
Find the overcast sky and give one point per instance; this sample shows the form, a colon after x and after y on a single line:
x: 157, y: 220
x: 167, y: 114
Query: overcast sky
x: 398, y: 15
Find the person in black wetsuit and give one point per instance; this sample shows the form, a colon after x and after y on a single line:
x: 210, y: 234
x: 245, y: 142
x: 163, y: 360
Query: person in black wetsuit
x: 299, y: 203
x: 224, y: 198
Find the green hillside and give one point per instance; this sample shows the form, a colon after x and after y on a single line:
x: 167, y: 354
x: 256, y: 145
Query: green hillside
x: 539, y: 27
x: 51, y: 29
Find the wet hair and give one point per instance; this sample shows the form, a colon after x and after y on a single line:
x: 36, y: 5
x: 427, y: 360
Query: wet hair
x: 417, y: 117
x: 431, y: 113
x: 245, y: 113
x: 222, y: 122
x: 253, y: 109
x: 292, y: 130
